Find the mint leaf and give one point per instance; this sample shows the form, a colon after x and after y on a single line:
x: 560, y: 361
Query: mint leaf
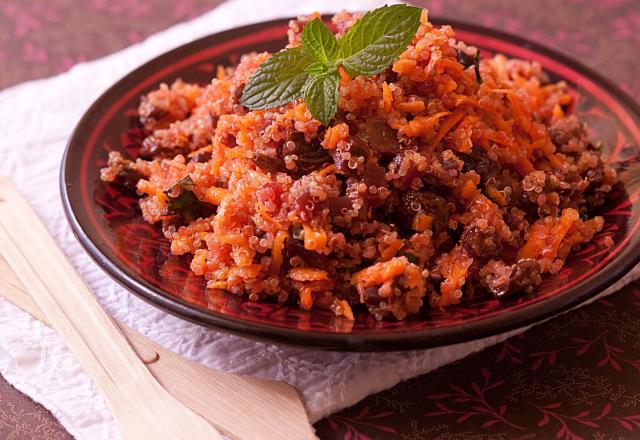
x: 278, y: 80
x: 320, y: 41
x: 321, y: 96
x: 369, y: 46
x: 378, y: 38
x: 318, y: 68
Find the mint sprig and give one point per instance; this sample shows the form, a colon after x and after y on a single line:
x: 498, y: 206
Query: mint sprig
x: 278, y: 80
x: 311, y: 70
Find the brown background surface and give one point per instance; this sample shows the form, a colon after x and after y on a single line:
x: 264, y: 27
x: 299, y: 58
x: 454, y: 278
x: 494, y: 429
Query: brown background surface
x: 577, y: 376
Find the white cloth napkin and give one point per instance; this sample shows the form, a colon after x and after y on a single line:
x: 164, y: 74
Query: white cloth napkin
x: 36, y: 119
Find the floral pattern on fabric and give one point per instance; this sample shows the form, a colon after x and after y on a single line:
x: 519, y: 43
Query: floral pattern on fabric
x: 575, y: 377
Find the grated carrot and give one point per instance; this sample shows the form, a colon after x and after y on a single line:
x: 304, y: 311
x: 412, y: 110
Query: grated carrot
x: 544, y: 238
x: 262, y: 212
x: 391, y: 250
x: 215, y: 195
x: 344, y: 76
x: 447, y: 125
x: 335, y: 134
x: 327, y: 170
x: 314, y: 239
x: 421, y: 125
x: 424, y: 16
x: 496, y: 195
x: 387, y: 97
x: 523, y: 117
x: 455, y: 269
x: 404, y: 66
x: 421, y: 222
x: 469, y: 190
x: 453, y: 65
x: 206, y: 149
x: 230, y: 238
x: 557, y: 112
x: 413, y: 107
x: 306, y: 298
x: 380, y: 272
x: 524, y: 166
x: 217, y: 285
x: 276, y: 252
x: 220, y: 72
x: 565, y: 99
x: 463, y: 99
x: 347, y: 312
x: 307, y: 274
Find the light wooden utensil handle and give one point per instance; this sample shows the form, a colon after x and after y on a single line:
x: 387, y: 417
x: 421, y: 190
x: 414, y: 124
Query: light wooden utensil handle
x: 222, y: 398
x: 226, y: 400
x: 141, y: 407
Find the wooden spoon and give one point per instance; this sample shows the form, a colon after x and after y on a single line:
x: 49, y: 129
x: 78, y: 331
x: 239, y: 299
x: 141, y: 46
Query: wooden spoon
x: 244, y: 407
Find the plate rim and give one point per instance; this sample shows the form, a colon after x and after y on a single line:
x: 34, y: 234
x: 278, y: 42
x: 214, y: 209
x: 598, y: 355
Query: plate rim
x: 344, y: 341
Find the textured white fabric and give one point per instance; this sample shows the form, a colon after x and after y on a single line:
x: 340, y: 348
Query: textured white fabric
x: 35, y: 120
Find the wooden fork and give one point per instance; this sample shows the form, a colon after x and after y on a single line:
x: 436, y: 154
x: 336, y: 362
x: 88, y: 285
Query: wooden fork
x: 161, y: 400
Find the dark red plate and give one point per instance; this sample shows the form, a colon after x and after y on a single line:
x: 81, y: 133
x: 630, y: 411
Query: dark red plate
x: 107, y: 221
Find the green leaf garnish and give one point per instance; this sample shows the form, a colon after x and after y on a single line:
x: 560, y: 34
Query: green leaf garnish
x: 180, y: 193
x: 378, y: 39
x: 278, y: 80
x: 182, y: 202
x: 319, y: 68
x: 470, y: 60
x: 321, y: 96
x: 320, y: 41
x: 411, y: 257
x: 311, y: 70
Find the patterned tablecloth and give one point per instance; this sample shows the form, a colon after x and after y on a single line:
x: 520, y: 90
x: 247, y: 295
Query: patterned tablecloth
x: 576, y: 377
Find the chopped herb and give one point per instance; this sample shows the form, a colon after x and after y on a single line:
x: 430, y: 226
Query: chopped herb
x: 471, y: 60
x: 412, y: 258
x: 311, y: 70
x: 181, y: 201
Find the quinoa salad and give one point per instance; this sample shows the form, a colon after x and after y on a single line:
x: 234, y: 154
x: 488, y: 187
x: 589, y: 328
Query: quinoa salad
x: 444, y: 176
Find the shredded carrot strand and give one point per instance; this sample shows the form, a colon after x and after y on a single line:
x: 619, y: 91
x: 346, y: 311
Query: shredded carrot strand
x: 447, y: 125
x: 421, y: 125
x: 307, y: 274
x: 306, y: 298
x: 276, y: 253
x: 387, y: 97
x: 392, y: 249
x: 327, y: 170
